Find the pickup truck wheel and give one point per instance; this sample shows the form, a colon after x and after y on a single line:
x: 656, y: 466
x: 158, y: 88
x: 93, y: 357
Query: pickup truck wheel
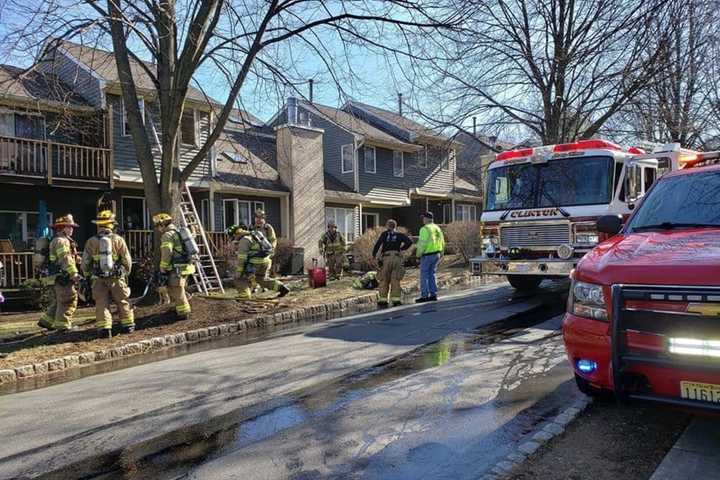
x: 585, y: 387
x: 524, y: 282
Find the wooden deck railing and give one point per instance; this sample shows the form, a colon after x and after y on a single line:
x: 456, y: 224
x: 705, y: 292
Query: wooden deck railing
x: 140, y: 242
x: 40, y: 158
x: 17, y: 268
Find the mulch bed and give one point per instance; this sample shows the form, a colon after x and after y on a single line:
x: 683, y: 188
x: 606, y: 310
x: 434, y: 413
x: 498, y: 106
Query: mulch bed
x: 156, y: 321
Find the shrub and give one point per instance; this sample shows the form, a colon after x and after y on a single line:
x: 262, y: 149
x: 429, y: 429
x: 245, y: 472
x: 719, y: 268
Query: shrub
x: 464, y: 238
x: 283, y: 255
x: 38, y: 295
x: 363, y: 246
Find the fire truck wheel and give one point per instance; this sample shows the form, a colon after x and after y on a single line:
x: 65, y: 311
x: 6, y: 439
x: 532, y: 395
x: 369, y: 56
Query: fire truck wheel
x: 524, y: 282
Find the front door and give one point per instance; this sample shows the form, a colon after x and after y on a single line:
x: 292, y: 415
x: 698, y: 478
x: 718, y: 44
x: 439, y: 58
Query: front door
x: 370, y: 220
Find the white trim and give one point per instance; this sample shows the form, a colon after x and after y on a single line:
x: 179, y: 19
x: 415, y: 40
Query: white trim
x: 366, y: 149
x: 141, y: 105
x: 402, y: 164
x: 146, y: 212
x: 424, y: 156
x: 196, y: 129
x: 23, y: 214
x: 363, y: 223
x: 342, y: 158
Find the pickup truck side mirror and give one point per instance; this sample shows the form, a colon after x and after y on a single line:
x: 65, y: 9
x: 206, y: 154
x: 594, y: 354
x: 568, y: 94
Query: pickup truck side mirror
x: 610, y: 224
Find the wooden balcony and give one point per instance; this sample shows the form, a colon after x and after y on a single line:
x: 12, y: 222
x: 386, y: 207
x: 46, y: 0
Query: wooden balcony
x: 52, y: 162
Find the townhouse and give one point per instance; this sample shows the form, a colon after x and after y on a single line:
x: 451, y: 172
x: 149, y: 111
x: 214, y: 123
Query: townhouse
x: 378, y: 164
x: 65, y: 146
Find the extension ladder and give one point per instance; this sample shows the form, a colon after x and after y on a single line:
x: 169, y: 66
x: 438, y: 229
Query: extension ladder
x: 206, y: 274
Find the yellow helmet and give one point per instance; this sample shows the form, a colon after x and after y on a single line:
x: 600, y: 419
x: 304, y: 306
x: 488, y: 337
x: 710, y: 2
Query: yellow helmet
x: 161, y: 217
x: 105, y: 218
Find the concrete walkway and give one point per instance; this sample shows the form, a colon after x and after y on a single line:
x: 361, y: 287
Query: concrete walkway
x: 696, y: 454
x: 138, y: 410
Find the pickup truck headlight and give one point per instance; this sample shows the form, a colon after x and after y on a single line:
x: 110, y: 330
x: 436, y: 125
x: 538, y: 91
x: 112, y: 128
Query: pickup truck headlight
x: 587, y: 300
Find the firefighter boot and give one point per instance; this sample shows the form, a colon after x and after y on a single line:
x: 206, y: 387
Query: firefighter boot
x: 103, y: 333
x: 283, y: 290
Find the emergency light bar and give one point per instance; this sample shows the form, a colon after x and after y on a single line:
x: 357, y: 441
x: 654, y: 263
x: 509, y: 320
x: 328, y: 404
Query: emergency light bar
x: 565, y: 147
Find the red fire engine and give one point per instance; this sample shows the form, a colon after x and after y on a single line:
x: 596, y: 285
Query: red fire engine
x: 643, y: 317
x: 542, y: 204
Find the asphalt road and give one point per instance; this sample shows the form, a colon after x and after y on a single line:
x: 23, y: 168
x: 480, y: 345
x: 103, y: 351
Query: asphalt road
x: 382, y: 395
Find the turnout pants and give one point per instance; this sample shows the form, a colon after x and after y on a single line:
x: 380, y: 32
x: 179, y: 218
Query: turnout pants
x: 107, y: 290
x: 63, y: 303
x: 176, y: 291
x: 334, y: 262
x: 260, y: 275
x: 389, y: 277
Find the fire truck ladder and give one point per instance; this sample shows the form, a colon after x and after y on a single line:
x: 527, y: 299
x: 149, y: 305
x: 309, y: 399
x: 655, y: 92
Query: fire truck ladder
x: 206, y: 274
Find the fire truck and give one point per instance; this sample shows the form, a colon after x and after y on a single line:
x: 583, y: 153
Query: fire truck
x: 542, y: 204
x: 644, y: 305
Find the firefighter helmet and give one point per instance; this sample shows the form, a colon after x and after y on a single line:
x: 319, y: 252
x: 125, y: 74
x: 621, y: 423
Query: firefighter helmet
x: 65, y: 221
x: 161, y: 218
x: 105, y: 218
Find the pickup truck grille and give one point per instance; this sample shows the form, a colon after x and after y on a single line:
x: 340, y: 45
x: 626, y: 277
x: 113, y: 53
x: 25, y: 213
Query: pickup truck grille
x: 536, y: 235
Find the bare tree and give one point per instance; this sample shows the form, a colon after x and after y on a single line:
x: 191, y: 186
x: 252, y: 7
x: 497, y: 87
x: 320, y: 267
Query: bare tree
x: 240, y: 39
x: 558, y: 68
x: 677, y: 105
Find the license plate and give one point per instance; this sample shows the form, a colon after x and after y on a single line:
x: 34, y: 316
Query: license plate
x: 519, y: 267
x: 705, y: 392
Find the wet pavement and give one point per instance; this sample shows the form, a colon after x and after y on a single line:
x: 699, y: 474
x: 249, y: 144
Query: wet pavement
x: 466, y: 409
x: 373, y: 396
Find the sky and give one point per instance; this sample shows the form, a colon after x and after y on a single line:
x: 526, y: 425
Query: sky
x: 364, y: 75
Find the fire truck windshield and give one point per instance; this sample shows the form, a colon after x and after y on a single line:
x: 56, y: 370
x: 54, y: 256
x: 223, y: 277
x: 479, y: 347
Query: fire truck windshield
x: 557, y: 183
x: 683, y: 201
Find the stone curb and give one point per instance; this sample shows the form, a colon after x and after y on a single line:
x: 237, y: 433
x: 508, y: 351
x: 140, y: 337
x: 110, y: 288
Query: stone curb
x: 504, y: 469
x: 317, y: 313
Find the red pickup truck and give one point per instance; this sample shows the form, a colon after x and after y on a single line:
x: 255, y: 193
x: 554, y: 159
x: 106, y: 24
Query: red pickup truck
x: 643, y: 317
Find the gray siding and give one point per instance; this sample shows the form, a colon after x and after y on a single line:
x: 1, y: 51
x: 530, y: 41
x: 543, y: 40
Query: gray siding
x: 70, y: 72
x: 124, y: 147
x: 334, y: 138
x: 383, y: 183
x: 272, y: 209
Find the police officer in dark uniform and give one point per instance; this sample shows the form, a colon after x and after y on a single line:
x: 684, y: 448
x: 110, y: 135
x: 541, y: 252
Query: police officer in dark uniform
x: 388, y: 252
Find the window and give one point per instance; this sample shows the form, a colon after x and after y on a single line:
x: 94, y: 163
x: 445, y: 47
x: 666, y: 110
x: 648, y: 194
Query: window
x: 447, y: 157
x: 369, y: 156
x: 370, y: 220
x: 234, y: 156
x: 189, y: 127
x: 19, y: 228
x: 22, y: 125
x: 125, y: 124
x: 465, y: 213
x: 423, y: 158
x: 205, y: 213
x: 345, y: 219
x: 347, y: 154
x: 398, y: 164
x: 236, y: 211
x: 447, y: 213
x: 135, y: 215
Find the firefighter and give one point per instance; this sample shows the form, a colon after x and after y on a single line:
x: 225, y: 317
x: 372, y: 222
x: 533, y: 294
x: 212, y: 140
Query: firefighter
x: 62, y: 275
x: 332, y: 247
x: 253, y: 263
x: 264, y: 227
x: 388, y: 252
x: 175, y: 264
x: 106, y: 260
